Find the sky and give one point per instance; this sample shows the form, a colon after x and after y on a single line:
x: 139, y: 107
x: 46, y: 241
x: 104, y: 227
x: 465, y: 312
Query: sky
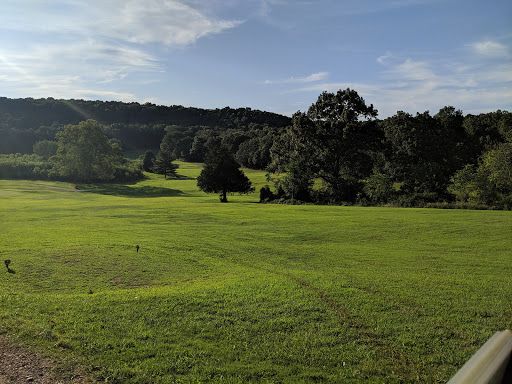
x: 271, y: 55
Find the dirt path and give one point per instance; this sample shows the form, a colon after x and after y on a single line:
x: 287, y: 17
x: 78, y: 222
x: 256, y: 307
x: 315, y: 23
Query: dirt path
x: 19, y: 366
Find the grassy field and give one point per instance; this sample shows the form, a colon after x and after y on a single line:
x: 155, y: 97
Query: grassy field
x: 247, y: 292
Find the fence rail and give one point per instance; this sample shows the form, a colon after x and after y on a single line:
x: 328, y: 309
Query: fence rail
x: 491, y: 364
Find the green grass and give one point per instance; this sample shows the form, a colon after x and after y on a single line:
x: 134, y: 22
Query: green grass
x: 247, y: 292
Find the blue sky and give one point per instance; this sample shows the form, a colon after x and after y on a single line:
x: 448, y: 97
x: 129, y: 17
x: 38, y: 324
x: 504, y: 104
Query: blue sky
x: 273, y: 55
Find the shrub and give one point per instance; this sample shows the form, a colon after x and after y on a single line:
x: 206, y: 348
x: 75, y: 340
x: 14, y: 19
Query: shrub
x: 266, y: 194
x: 18, y: 166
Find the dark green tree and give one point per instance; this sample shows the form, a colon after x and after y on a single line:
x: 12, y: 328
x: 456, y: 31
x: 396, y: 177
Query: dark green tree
x: 204, y: 141
x: 164, y: 165
x: 222, y: 174
x: 425, y: 151
x: 148, y: 161
x: 378, y: 188
x: 86, y: 154
x: 333, y: 142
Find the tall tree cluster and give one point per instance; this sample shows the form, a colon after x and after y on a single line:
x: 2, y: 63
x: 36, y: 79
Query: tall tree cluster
x: 338, y: 152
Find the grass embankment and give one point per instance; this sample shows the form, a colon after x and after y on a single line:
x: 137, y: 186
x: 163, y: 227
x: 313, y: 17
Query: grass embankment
x: 245, y: 292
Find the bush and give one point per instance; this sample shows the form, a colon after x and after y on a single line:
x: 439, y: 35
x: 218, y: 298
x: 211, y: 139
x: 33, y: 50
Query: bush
x: 418, y: 200
x: 18, y: 166
x: 266, y: 194
x: 129, y: 171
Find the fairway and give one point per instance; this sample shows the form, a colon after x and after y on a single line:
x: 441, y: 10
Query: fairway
x: 246, y: 292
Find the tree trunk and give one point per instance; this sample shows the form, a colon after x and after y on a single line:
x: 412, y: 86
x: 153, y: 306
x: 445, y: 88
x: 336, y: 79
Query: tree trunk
x: 223, y: 198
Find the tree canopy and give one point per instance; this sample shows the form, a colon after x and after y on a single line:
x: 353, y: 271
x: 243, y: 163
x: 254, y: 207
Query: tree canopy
x: 85, y: 153
x: 331, y: 142
x: 163, y: 164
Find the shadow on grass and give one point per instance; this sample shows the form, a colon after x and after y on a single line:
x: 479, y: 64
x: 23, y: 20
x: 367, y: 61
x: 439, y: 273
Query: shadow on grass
x: 182, y: 177
x: 129, y: 191
x: 9, y: 270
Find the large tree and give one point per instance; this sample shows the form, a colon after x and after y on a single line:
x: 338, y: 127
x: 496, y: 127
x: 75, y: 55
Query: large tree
x: 86, y: 154
x: 334, y: 141
x: 222, y: 174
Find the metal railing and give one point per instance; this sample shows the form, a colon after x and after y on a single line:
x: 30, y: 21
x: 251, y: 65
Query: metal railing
x: 490, y: 364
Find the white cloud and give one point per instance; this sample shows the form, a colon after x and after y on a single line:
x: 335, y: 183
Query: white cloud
x: 417, y: 85
x: 171, y: 22
x: 63, y: 71
x: 307, y: 79
x: 382, y: 59
x: 79, y: 42
x: 491, y: 49
x: 413, y: 70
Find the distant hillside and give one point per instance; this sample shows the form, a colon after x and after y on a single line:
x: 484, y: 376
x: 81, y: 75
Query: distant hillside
x: 26, y: 121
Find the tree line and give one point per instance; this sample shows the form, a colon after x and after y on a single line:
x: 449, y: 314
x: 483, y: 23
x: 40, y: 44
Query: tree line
x: 337, y: 152
x: 23, y: 122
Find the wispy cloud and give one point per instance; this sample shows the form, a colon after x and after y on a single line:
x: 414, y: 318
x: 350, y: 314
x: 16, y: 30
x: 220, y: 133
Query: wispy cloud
x: 307, y: 79
x: 415, y: 85
x: 171, y: 22
x: 491, y: 49
x: 78, y: 42
x: 413, y: 71
x: 382, y: 59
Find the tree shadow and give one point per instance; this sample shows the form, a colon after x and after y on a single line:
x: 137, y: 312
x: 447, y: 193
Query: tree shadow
x: 182, y: 177
x: 129, y: 191
x: 9, y: 270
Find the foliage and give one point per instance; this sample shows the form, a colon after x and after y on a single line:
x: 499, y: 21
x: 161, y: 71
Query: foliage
x: 163, y: 164
x: 85, y: 154
x: 330, y: 142
x: 421, y: 154
x: 23, y: 122
x: 46, y: 148
x: 378, y: 188
x: 222, y: 174
x: 255, y: 152
x: 18, y: 166
x: 129, y: 170
x: 490, y: 183
x: 148, y: 161
x: 204, y: 141
x: 327, y: 154
x: 266, y: 194
x: 465, y: 184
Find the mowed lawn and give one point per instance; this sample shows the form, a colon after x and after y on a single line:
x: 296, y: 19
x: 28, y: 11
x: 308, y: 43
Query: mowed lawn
x: 246, y: 292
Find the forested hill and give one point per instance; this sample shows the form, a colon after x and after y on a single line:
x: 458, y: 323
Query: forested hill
x: 26, y: 121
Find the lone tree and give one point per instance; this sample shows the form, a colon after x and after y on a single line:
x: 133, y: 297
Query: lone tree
x: 86, y: 154
x: 163, y: 164
x: 222, y: 174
